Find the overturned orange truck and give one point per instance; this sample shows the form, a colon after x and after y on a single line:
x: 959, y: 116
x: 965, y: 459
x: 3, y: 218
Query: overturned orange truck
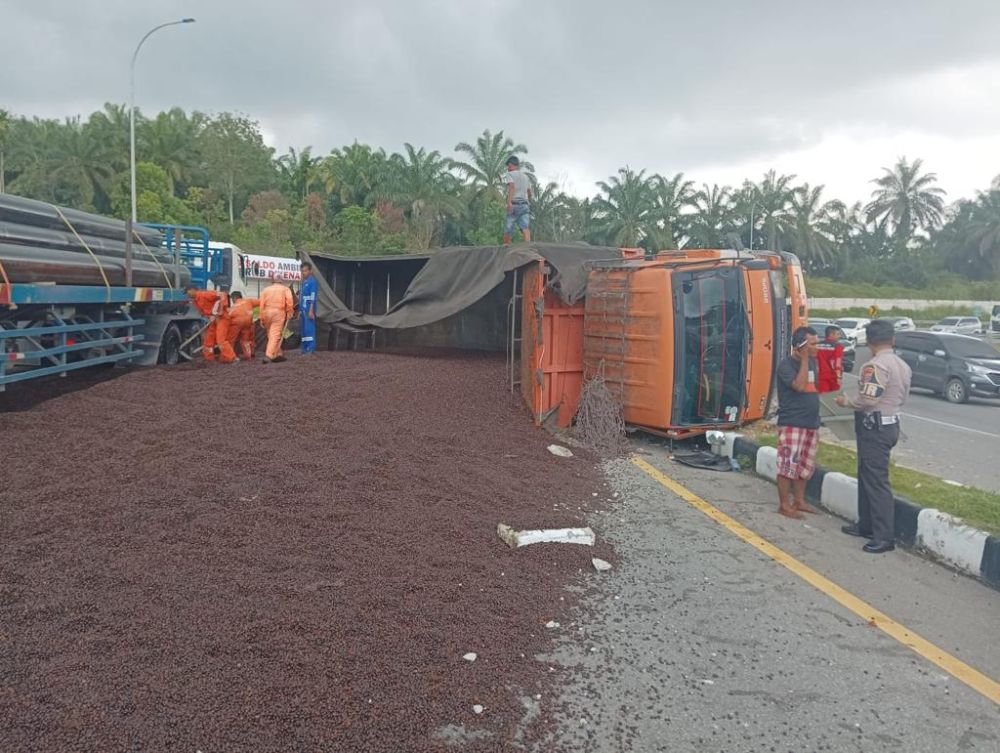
x: 687, y: 340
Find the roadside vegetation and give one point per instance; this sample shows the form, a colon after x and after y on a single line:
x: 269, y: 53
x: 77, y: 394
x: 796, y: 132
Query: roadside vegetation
x: 977, y: 508
x: 215, y: 170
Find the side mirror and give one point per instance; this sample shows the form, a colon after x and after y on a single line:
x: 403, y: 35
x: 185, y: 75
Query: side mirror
x: 940, y: 353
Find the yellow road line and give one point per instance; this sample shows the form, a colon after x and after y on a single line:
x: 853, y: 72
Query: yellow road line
x: 960, y: 670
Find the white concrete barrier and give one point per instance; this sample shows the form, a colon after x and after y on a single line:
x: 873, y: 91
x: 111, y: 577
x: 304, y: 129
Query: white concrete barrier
x: 767, y: 463
x: 839, y: 495
x: 950, y: 540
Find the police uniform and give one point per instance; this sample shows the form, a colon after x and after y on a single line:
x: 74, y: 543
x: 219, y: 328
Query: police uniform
x: 884, y: 383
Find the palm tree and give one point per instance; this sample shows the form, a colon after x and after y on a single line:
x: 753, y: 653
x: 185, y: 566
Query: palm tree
x: 713, y: 218
x: 170, y: 141
x: 813, y: 226
x: 906, y: 201
x: 80, y: 167
x: 111, y: 125
x: 355, y: 174
x: 487, y: 160
x: 671, y: 196
x: 554, y: 215
x: 773, y: 202
x: 421, y: 182
x: 624, y: 213
x: 299, y: 172
x: 984, y: 229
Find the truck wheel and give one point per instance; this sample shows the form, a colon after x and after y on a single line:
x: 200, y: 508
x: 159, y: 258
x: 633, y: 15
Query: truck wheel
x: 955, y: 391
x: 170, y: 346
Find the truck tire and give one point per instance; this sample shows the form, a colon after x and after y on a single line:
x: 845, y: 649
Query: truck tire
x: 955, y: 391
x: 170, y: 346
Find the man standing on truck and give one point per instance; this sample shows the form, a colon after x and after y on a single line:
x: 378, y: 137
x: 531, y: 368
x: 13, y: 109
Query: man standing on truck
x: 241, y: 323
x: 307, y: 308
x: 518, y: 197
x: 213, y: 304
x: 276, y: 308
x: 798, y: 422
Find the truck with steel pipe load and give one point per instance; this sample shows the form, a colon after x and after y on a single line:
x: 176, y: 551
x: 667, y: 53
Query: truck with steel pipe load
x: 75, y: 294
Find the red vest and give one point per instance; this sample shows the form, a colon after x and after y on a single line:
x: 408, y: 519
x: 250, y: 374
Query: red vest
x: 830, y: 357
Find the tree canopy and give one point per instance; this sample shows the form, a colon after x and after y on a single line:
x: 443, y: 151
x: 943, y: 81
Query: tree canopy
x: 216, y: 170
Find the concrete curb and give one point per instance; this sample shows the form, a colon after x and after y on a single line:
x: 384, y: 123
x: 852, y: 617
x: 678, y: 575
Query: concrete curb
x: 923, y: 529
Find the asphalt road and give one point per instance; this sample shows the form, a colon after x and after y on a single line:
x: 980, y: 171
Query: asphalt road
x: 698, y: 643
x: 956, y: 442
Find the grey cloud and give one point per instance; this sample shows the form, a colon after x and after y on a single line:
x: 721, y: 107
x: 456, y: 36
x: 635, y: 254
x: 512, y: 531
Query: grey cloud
x: 666, y: 85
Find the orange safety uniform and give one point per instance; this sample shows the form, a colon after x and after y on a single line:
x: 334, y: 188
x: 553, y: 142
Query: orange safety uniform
x: 241, y: 325
x: 214, y: 304
x: 276, y: 308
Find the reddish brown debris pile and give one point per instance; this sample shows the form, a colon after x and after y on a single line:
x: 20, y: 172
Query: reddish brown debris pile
x: 282, y: 557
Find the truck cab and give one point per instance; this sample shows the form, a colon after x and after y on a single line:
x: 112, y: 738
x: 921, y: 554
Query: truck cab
x: 690, y: 340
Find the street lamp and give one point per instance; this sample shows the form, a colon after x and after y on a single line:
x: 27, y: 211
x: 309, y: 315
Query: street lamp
x: 131, y: 129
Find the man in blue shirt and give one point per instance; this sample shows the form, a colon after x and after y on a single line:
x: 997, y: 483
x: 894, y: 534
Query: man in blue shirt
x: 307, y: 308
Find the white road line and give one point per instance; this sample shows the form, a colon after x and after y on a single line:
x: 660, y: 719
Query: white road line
x: 943, y: 423
x: 951, y: 426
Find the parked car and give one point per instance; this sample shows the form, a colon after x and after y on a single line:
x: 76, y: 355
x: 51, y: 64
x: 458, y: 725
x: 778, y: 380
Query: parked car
x: 955, y: 366
x: 961, y: 325
x: 854, y: 329
x: 901, y: 323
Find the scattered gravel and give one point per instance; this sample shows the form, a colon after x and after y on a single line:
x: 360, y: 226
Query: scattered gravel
x: 279, y: 558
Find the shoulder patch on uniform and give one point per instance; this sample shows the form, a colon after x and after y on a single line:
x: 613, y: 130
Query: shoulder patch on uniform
x: 870, y: 385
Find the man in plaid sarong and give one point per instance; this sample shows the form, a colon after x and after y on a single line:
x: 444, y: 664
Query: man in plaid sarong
x: 798, y: 422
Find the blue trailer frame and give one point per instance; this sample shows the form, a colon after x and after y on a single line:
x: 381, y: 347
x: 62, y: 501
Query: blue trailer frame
x: 49, y: 329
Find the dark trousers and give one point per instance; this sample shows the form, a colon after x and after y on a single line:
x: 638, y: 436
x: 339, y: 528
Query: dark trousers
x: 876, y: 504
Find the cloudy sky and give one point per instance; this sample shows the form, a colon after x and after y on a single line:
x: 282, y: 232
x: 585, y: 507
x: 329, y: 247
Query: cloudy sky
x: 718, y: 89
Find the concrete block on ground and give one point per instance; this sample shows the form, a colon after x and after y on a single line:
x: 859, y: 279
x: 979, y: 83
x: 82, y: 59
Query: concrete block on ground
x: 515, y: 539
x: 767, y: 463
x: 840, y: 495
x: 951, y: 541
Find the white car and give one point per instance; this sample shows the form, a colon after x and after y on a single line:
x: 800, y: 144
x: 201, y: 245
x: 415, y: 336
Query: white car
x: 854, y: 329
x: 901, y: 323
x: 960, y: 325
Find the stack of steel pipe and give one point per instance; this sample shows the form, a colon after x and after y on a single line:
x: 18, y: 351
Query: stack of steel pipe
x: 42, y: 244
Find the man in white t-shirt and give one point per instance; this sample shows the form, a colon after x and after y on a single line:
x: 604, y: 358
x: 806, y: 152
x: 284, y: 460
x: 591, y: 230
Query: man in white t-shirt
x: 518, y: 198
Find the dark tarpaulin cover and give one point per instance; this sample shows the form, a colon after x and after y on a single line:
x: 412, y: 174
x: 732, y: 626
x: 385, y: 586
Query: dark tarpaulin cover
x: 455, y: 278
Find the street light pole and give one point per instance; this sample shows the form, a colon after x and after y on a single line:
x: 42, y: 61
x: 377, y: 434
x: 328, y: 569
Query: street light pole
x: 133, y: 217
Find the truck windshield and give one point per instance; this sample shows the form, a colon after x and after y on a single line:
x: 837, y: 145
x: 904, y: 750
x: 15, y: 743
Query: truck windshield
x: 711, y: 346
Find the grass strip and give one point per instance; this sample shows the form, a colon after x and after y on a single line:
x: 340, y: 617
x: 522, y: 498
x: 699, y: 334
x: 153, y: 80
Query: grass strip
x: 977, y: 508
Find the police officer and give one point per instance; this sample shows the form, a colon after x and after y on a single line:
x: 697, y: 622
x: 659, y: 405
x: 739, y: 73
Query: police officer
x: 883, y: 384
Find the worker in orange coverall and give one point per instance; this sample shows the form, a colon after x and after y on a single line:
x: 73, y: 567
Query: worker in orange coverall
x: 214, y: 305
x: 276, y: 308
x: 241, y: 323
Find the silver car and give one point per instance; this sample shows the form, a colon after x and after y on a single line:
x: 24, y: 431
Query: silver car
x: 901, y: 323
x: 959, y: 325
